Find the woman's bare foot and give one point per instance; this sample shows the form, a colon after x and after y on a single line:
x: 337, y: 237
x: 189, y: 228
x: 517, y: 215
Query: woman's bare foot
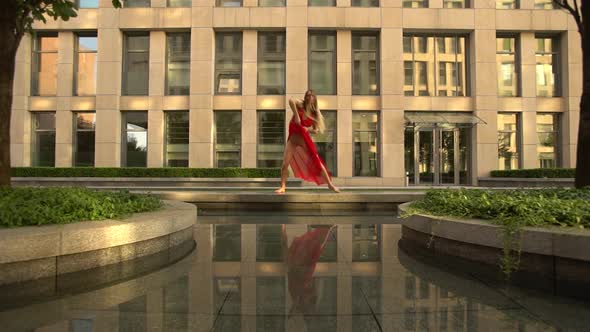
x: 281, y: 190
x: 334, y: 189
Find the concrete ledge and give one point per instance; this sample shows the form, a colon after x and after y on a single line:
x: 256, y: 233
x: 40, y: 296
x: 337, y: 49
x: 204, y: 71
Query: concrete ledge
x: 152, y: 182
x: 552, y: 253
x: 526, y: 182
x: 35, y: 252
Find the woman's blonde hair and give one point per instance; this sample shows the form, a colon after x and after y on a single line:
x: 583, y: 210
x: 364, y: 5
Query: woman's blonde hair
x: 312, y: 111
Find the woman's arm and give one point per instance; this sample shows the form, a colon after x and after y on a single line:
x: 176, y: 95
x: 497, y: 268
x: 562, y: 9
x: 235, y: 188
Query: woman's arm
x: 293, y: 105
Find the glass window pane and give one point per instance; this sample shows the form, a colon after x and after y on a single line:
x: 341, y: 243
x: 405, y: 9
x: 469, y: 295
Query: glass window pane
x: 228, y: 63
x: 324, y: 3
x: 269, y: 243
x: 322, y: 63
x: 180, y: 3
x: 135, y: 139
x: 508, y: 145
x: 414, y: 3
x: 44, y: 78
x: 365, y: 3
x: 229, y: 3
x: 227, y: 246
x: 544, y: 4
x: 365, y: 243
x: 365, y: 75
x: 548, y: 140
x: 177, y: 135
x: 271, y: 3
x: 136, y: 3
x: 87, y: 3
x: 454, y: 4
x: 271, y: 63
x: 228, y: 138
x: 506, y: 4
x: 136, y: 65
x: 547, y: 67
x: 43, y: 140
x: 271, y: 138
x: 85, y: 70
x: 365, y: 138
x: 178, y: 58
x: 326, y: 141
x: 85, y: 139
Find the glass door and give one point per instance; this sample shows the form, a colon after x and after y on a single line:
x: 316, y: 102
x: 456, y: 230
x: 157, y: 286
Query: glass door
x: 425, y: 156
x: 447, y: 156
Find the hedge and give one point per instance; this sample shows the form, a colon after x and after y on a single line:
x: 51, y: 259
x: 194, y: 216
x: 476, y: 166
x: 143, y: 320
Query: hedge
x: 535, y: 173
x: 139, y: 172
x: 39, y: 206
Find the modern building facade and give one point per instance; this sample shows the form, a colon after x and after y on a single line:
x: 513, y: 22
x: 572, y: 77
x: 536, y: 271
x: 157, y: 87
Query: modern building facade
x: 413, y: 92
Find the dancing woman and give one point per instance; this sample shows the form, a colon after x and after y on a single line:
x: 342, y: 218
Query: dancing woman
x: 300, y: 150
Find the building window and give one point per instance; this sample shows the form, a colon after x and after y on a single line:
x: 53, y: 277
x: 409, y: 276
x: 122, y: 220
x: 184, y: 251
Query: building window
x: 326, y: 141
x: 135, y: 125
x: 322, y: 62
x: 178, y: 63
x: 547, y: 55
x: 228, y: 138
x: 435, y: 66
x: 87, y: 3
x: 365, y: 243
x: 269, y: 243
x: 44, y: 80
x: 365, y: 63
x: 271, y: 138
x: 179, y: 3
x: 136, y: 3
x: 43, y: 141
x: 271, y: 63
x: 321, y: 3
x: 228, y: 63
x: 136, y: 64
x: 227, y: 245
x: 506, y: 4
x: 545, y: 4
x: 85, y: 124
x: 455, y: 4
x: 365, y: 3
x: 177, y: 133
x: 508, y: 141
x: 228, y: 3
x: 415, y: 3
x: 85, y: 66
x: 271, y: 3
x: 507, y: 65
x: 365, y: 135
x: 548, y: 140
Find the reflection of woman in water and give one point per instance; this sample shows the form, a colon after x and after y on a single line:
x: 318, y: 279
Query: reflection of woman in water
x: 301, y: 258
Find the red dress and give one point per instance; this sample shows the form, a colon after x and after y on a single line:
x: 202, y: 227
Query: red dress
x: 306, y: 163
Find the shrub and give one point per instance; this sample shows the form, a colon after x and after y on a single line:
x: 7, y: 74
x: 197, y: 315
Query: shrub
x: 534, y: 207
x: 146, y: 172
x: 40, y: 206
x: 535, y: 173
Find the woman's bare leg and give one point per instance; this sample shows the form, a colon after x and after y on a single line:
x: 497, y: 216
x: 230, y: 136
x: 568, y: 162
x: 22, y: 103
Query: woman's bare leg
x: 327, y: 178
x: 289, y: 148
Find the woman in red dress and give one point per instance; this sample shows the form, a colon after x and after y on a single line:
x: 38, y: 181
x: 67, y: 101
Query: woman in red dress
x: 300, y: 151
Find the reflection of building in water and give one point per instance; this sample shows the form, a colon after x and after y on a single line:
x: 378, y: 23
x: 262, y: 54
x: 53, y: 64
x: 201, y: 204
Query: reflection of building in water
x: 238, y: 282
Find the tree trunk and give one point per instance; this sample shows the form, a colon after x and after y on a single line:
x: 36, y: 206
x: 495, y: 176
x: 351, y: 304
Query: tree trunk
x: 583, y: 153
x: 8, y: 44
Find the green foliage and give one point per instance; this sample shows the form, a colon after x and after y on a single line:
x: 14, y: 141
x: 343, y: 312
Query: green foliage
x: 511, y: 209
x: 535, y: 173
x: 140, y: 172
x: 41, y: 206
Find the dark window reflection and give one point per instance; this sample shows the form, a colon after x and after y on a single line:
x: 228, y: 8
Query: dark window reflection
x: 227, y: 292
x: 176, y: 305
x: 365, y: 243
x: 269, y: 243
x: 132, y: 315
x: 227, y: 245
x: 270, y: 303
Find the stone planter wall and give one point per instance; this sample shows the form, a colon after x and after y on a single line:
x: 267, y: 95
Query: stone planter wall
x: 525, y: 182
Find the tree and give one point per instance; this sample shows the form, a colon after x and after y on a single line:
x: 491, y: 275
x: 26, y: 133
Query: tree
x: 17, y: 18
x: 581, y: 14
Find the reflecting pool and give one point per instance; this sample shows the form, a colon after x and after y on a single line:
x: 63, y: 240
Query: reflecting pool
x: 351, y: 276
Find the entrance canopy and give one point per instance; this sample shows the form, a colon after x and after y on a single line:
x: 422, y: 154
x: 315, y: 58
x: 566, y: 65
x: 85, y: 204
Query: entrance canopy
x: 442, y: 119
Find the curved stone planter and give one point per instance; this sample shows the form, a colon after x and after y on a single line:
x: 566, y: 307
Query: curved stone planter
x: 35, y: 252
x: 559, y: 256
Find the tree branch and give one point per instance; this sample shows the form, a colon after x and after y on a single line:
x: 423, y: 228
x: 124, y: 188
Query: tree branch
x: 564, y: 4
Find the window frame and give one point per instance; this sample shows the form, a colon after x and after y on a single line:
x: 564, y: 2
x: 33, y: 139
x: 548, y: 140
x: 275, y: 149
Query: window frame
x: 35, y: 62
x: 378, y: 152
x: 168, y: 62
x: 377, y: 52
x: 168, y: 5
x: 557, y: 131
x: 125, y: 61
x: 424, y: 3
x: 75, y: 137
x: 515, y: 2
x: 556, y: 51
x: 517, y: 61
x: 217, y: 71
x: 334, y: 57
x: 77, y: 53
x: 124, y: 136
x: 34, y: 140
x: 518, y: 134
x: 166, y: 112
x: 334, y: 132
x: 215, y: 150
x: 260, y: 58
x: 285, y: 129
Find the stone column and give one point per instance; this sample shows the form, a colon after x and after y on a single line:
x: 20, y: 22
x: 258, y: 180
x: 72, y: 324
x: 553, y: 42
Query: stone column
x: 529, y: 96
x: 344, y: 112
x: 201, y: 87
x: 63, y: 114
x: 572, y: 92
x: 201, y: 307
x: 344, y: 282
x: 20, y: 124
x: 157, y: 82
x: 392, y: 112
x: 249, y: 102
x: 108, y: 87
x: 155, y: 310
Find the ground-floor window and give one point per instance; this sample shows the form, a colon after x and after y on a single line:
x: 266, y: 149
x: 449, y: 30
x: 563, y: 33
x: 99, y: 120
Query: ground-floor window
x: 177, y: 134
x: 508, y: 141
x: 134, y: 149
x: 228, y: 138
x: 85, y: 126
x: 365, y: 243
x: 43, y: 140
x: 271, y: 138
x: 365, y: 135
x: 326, y: 142
x: 548, y: 140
